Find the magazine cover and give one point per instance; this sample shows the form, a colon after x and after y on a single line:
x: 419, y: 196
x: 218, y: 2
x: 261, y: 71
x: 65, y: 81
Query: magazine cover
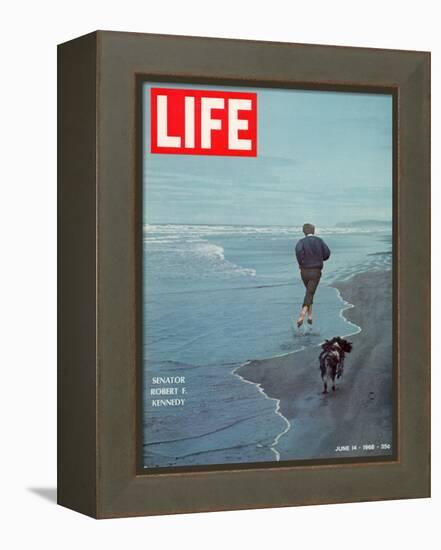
x: 267, y: 237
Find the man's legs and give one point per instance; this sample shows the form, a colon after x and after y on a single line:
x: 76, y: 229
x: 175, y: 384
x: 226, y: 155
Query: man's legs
x: 311, y: 279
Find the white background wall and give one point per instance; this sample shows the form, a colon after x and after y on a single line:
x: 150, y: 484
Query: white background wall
x: 29, y: 34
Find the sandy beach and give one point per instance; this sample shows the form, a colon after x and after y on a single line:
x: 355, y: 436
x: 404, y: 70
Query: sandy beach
x: 360, y: 411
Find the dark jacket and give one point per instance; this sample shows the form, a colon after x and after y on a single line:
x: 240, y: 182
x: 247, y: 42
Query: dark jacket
x: 311, y: 251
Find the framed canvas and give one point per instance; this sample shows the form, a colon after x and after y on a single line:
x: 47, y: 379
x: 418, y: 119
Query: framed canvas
x: 244, y: 271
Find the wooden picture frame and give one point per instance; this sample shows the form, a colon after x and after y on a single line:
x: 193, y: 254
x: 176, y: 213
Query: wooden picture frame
x: 99, y: 275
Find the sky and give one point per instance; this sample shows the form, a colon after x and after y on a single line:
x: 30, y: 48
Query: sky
x: 323, y: 157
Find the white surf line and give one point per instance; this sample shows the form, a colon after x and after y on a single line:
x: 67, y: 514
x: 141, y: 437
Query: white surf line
x: 347, y: 305
x: 277, y: 409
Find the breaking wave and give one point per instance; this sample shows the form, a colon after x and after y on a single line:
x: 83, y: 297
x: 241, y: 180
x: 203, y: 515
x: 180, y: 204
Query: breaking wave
x: 186, y: 257
x: 213, y: 257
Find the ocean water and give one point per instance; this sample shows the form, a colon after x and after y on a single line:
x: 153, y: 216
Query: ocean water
x: 216, y: 297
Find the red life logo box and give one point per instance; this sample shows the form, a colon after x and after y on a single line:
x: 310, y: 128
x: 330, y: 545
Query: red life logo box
x: 203, y: 122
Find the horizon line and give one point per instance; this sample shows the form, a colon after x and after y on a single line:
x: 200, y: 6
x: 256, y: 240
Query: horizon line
x: 264, y: 225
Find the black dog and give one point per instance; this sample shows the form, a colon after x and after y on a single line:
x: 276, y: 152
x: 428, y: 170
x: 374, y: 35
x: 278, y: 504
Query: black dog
x: 332, y: 360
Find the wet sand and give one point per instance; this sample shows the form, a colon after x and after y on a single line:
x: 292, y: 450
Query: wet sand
x: 360, y: 411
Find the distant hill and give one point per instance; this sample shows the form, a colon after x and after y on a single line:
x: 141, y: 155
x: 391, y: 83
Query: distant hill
x: 365, y: 223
